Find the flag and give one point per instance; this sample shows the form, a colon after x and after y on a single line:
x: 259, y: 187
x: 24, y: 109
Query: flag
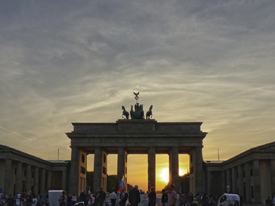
x: 180, y: 193
x: 149, y: 186
x: 121, y: 185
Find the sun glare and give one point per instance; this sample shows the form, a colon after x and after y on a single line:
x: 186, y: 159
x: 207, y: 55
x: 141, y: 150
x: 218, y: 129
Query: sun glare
x: 165, y: 175
x: 162, y: 169
x: 182, y: 172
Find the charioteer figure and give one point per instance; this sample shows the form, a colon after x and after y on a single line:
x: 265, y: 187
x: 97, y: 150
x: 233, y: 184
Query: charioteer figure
x: 138, y: 112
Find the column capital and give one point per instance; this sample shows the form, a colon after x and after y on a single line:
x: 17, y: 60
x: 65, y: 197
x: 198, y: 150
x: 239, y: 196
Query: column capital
x: 152, y: 149
x: 122, y: 149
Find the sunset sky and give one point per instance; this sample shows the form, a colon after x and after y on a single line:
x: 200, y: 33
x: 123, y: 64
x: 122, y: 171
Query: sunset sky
x: 80, y: 61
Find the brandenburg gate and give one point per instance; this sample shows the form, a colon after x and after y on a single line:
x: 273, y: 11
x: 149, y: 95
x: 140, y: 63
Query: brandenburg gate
x: 135, y: 136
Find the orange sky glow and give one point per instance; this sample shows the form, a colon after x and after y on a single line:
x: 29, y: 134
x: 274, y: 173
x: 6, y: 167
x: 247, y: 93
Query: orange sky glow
x: 138, y: 170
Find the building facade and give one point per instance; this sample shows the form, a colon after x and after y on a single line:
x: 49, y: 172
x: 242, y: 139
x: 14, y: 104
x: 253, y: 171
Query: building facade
x: 22, y: 173
x: 250, y: 174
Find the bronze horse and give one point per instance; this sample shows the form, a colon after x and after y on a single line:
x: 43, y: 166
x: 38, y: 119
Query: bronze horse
x: 125, y: 113
x: 149, y: 113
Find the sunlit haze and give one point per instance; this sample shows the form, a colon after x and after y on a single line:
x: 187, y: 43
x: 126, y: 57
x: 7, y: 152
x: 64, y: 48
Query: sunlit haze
x: 137, y: 168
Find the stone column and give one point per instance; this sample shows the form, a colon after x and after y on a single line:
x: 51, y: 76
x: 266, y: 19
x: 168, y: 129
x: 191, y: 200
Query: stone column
x: 247, y: 182
x: 75, y: 171
x: 174, y: 167
x: 209, y: 182
x: 18, y: 181
x: 28, y: 178
x: 256, y: 181
x: 272, y: 167
x: 223, y: 181
x: 199, y: 171
x: 49, y: 180
x: 104, y: 175
x: 64, y: 177
x: 35, y: 181
x: 42, y: 181
x: 265, y: 179
x: 240, y: 180
x: 234, y: 180
x: 8, y: 172
x: 228, y: 180
x: 122, y: 165
x: 98, y: 169
x: 152, y: 166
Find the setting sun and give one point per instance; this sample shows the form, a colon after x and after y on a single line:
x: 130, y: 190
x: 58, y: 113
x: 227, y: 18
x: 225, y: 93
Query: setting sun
x: 182, y: 172
x: 162, y: 169
x: 164, y: 175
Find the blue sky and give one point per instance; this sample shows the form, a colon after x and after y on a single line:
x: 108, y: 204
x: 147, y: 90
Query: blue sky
x: 80, y: 61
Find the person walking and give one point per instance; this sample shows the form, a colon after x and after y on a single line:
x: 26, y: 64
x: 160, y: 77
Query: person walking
x: 101, y: 197
x: 164, y: 198
x: 152, y: 197
x: 268, y: 202
x: 29, y: 199
x: 134, y: 196
x: 10, y: 201
x: 172, y: 196
x: 69, y: 200
x: 113, y: 197
x: 63, y: 198
x: 74, y: 199
x: 40, y: 200
x: 123, y: 198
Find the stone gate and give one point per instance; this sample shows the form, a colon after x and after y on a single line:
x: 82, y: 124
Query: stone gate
x: 135, y: 136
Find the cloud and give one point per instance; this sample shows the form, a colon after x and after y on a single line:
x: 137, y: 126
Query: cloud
x: 67, y: 61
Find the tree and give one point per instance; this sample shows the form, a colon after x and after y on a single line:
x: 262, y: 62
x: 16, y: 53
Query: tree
x: 90, y: 180
x: 130, y: 187
x: 112, y: 182
x: 184, y: 183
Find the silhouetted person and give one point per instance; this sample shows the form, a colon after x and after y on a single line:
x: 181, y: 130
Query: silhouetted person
x: 29, y: 199
x: 164, y: 198
x: 134, y: 197
x: 123, y: 198
x: 152, y: 197
x: 63, y: 199
x: 172, y: 196
x: 268, y: 202
x: 10, y: 201
x: 101, y: 197
x: 40, y: 201
x: 113, y: 197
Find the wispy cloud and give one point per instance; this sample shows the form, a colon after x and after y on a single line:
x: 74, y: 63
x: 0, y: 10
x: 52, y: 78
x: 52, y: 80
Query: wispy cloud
x: 69, y: 61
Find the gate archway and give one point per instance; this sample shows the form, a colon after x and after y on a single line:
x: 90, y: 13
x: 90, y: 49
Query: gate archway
x: 135, y: 136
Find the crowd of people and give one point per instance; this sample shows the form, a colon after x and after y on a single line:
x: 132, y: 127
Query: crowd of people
x: 23, y: 200
x: 195, y: 200
x: 117, y: 198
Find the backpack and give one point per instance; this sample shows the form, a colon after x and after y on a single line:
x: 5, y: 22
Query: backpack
x: 28, y: 198
x: 62, y: 198
x: 126, y: 196
x: 165, y: 198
